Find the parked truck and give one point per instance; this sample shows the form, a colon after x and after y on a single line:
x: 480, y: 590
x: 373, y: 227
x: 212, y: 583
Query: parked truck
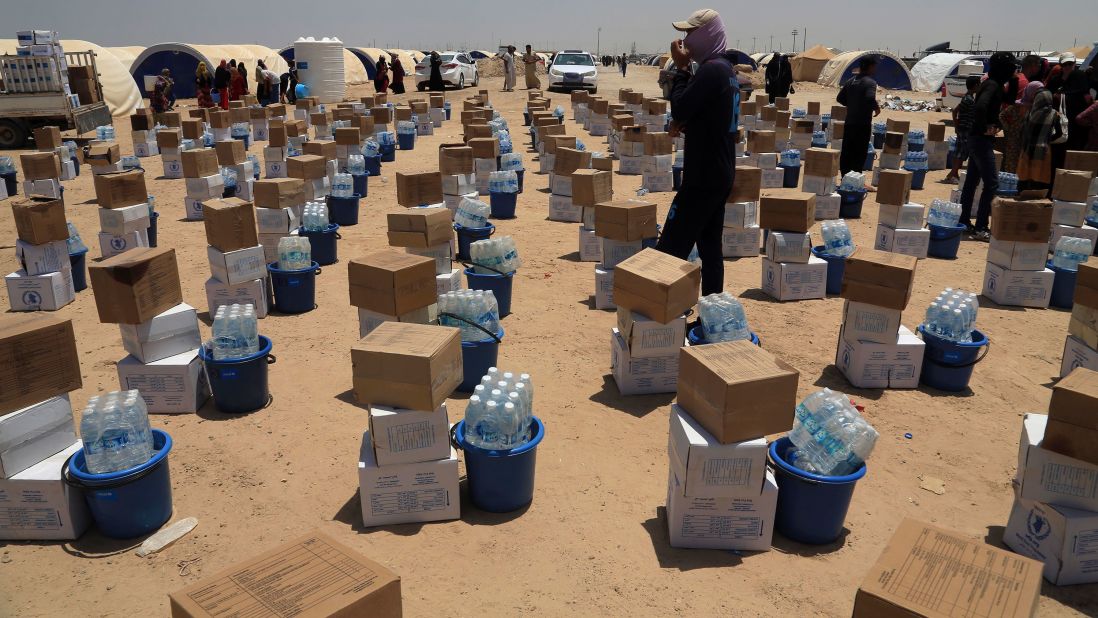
x: 36, y: 93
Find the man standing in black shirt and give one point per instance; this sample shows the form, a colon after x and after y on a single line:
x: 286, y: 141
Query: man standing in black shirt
x: 859, y: 95
x: 705, y: 107
x: 981, y: 144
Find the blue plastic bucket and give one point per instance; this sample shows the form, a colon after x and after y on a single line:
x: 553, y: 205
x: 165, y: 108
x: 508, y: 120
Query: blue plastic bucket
x: 406, y: 141
x: 1063, y: 287
x: 79, y: 271
x: 239, y: 385
x: 152, y: 228
x: 836, y: 266
x: 323, y: 244
x: 948, y: 365
x: 944, y: 241
x: 500, y: 481
x: 476, y: 358
x: 520, y: 174
x: 676, y: 177
x: 388, y: 153
x: 500, y: 285
x: 131, y: 502
x: 360, y: 185
x: 294, y: 290
x: 811, y: 507
x: 466, y: 236
x: 850, y: 204
x: 792, y: 176
x: 447, y: 110
x: 696, y: 336
x: 373, y: 166
x: 503, y: 204
x: 878, y: 141
x: 343, y: 210
x: 918, y: 177
x: 11, y: 183
x: 869, y: 159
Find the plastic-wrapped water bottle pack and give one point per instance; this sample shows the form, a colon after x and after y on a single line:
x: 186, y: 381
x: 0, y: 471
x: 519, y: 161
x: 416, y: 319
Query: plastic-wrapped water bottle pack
x: 852, y: 181
x: 472, y: 213
x: 837, y: 238
x: 723, y: 318
x: 830, y: 436
x: 500, y: 411
x: 503, y: 182
x: 468, y: 309
x: 115, y: 432
x: 943, y: 213
x: 314, y: 217
x: 498, y: 254
x: 510, y: 162
x: 294, y: 253
x: 1071, y: 252
x: 952, y: 315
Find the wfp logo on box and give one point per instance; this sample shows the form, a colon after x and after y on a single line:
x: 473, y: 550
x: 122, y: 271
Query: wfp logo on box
x: 1037, y: 525
x: 32, y: 298
x: 770, y: 276
x: 118, y: 243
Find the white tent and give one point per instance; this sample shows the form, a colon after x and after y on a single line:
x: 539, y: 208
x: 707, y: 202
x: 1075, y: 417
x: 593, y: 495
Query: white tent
x: 891, y: 72
x: 762, y: 58
x: 120, y: 93
x: 354, y: 72
x: 182, y: 59
x: 928, y: 74
x: 126, y: 55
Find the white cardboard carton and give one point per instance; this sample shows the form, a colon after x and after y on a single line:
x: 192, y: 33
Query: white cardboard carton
x: 36, y: 505
x: 708, y: 469
x: 590, y: 246
x: 252, y: 292
x: 1052, y: 478
x: 906, y: 217
x: 43, y: 259
x: 630, y: 166
x: 560, y: 185
x: 795, y: 281
x: 442, y: 254
x: 741, y: 214
x: 172, y: 332
x: 369, y: 320
x: 33, y: 433
x: 121, y: 221
x: 485, y: 166
x: 192, y: 209
x: 407, y: 493
x: 561, y: 208
x: 206, y: 187
x: 173, y: 166
x: 459, y: 184
x: 237, y: 266
x: 771, y: 178
x: 49, y: 187
x: 604, y: 287
x: 172, y: 385
x: 820, y: 185
x: 615, y: 252
x: 1013, y: 255
x: 450, y: 282
x: 1061, y: 537
x: 1069, y: 213
x: 657, y: 164
x: 642, y: 376
x: 453, y: 201
x: 1023, y: 288
x: 280, y: 221
x: 401, y: 436
x: 769, y: 161
x: 47, y: 292
x: 866, y: 322
x: 741, y: 242
x: 647, y: 338
x: 145, y: 149
x: 789, y: 247
x: 317, y: 188
x: 828, y: 206
x: 274, y: 168
x: 1086, y: 231
x: 879, y: 365
x: 1077, y: 354
x: 546, y: 163
x: 737, y: 523
x: 111, y: 245
x: 905, y: 242
x: 663, y: 182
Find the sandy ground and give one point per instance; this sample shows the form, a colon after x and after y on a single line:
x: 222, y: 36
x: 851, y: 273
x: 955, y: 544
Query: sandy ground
x: 594, y: 541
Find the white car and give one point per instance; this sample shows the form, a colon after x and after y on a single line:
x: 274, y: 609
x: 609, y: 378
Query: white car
x: 572, y: 69
x: 458, y: 70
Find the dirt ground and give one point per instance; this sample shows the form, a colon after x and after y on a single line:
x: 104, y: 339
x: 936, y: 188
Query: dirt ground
x: 594, y: 540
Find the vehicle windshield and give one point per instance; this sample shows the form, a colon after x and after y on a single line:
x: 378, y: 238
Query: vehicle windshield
x: 572, y: 60
x: 447, y: 57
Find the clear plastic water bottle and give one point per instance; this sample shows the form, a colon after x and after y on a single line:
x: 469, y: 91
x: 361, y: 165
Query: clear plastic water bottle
x: 7, y: 165
x: 208, y: 139
x: 356, y: 165
x: 790, y: 158
x: 342, y: 185
x: 186, y: 144
x: 1070, y: 252
x: 406, y: 127
x: 799, y: 112
x: 943, y: 213
x: 500, y: 411
x: 819, y: 139
x: 952, y: 315
x: 510, y: 162
x: 371, y: 148
x: 473, y: 307
x: 952, y: 141
x: 1008, y: 183
x: 879, y: 128
x: 76, y: 244
x: 388, y: 138
x: 239, y: 130
x: 1092, y: 212
x: 235, y: 332
x: 472, y: 213
x: 229, y: 175
x: 130, y: 162
x: 916, y: 160
x: 723, y: 318
x: 503, y: 182
x: 916, y: 137
x: 104, y: 133
x: 115, y: 432
x: 837, y: 238
x: 494, y: 255
x: 294, y: 253
x: 830, y: 435
x: 315, y: 217
x: 255, y: 166
x: 852, y: 181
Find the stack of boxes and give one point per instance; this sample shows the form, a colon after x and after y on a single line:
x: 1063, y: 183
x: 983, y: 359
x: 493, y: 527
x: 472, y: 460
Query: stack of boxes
x: 421, y: 115
x: 875, y: 350
x: 276, y: 151
x: 389, y: 286
x: 203, y: 179
x: 763, y: 154
x: 428, y: 232
x: 598, y: 120
x: 142, y: 130
x: 836, y: 129
x: 620, y: 227
x: 1055, y: 512
x: 169, y: 142
x: 41, y: 67
x: 659, y: 157
x: 801, y: 136
x: 238, y: 263
x: 39, y: 366
x: 41, y: 174
x: 103, y: 157
x: 485, y: 159
x: 139, y: 290
x: 1016, y: 255
x: 328, y: 150
x: 652, y: 291
x: 44, y: 280
x: 348, y: 142
x: 48, y: 139
x: 1072, y: 192
x: 900, y: 222
x: 1081, y: 346
x: 232, y: 154
x: 280, y: 203
x: 742, y: 236
x: 321, y: 122
x: 565, y: 162
x: 455, y: 164
x: 590, y: 188
x: 312, y: 171
x: 553, y: 139
x: 790, y: 271
x: 259, y: 118
x: 720, y: 493
x: 821, y: 166
x: 631, y: 149
x: 124, y: 214
x: 408, y: 472
x: 937, y: 148
x: 220, y: 124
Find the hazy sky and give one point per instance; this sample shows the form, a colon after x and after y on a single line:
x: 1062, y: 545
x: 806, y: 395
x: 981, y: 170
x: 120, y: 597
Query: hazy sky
x: 556, y: 24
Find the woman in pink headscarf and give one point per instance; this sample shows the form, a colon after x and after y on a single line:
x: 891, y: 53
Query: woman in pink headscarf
x: 1013, y: 121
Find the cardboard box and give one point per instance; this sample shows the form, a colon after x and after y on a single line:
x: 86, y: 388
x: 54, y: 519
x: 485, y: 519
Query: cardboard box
x: 879, y: 278
x: 591, y: 187
x: 747, y: 185
x: 34, y: 433
x: 458, y: 184
x: 325, y: 149
x: 37, y: 505
x: 818, y: 185
x: 1050, y: 477
x: 136, y: 286
x: 484, y: 147
x: 169, y: 138
x: 657, y: 285
x: 419, y: 188
x: 206, y: 187
x: 1086, y: 285
x: 40, y: 165
x: 787, y: 210
x: 741, y: 242
x: 41, y: 292
x: 1069, y: 213
x: 420, y: 228
x: 122, y: 221
x: 1022, y: 221
x: 640, y: 376
x: 173, y: 385
x: 307, y: 167
x: 401, y: 436
x: 172, y: 332
x: 370, y: 320
x: 230, y: 224
x: 280, y: 221
x: 741, y: 214
x: 604, y: 289
x: 590, y: 245
x: 785, y: 281
x: 828, y: 206
x: 38, y: 360
x: 313, y: 575
x: 1059, y: 231
x: 1084, y: 324
x: 1016, y: 255
x: 915, y: 243
x: 821, y: 162
x: 569, y: 160
x: 40, y: 220
x: 1072, y: 427
x: 761, y: 141
x: 102, y: 153
x: 407, y: 493
x: 252, y: 293
x: 1071, y: 186
x: 902, y: 216
x: 230, y: 152
x: 111, y: 245
x: 646, y: 338
x: 970, y: 578
x: 736, y: 390
x: 708, y: 469
x: 894, y: 187
x: 561, y: 208
x: 741, y: 523
x: 625, y: 220
x: 47, y: 138
x: 43, y: 259
x: 278, y: 192
x: 881, y: 365
x: 238, y: 265
x: 658, y: 144
x: 453, y: 160
x: 1058, y: 536
x: 789, y: 247
x: 404, y: 365
x: 630, y: 166
x: 199, y: 163
x: 872, y: 323
x: 348, y: 136
x: 1023, y: 288
x: 392, y: 283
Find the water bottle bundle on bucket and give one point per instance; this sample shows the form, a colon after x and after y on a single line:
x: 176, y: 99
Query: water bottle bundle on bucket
x: 503, y: 192
x: 852, y: 194
x: 953, y: 345
x: 722, y: 319
x: 492, y: 268
x: 322, y: 235
x: 471, y: 224
x: 1069, y: 253
x: 945, y: 229
x: 476, y: 314
x: 838, y: 245
x: 293, y: 277
x: 236, y: 360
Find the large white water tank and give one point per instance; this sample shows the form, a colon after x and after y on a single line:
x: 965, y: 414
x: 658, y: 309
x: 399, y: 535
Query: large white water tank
x: 320, y: 67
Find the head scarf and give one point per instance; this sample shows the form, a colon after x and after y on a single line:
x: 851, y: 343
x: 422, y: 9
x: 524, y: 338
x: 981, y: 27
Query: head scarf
x: 1029, y: 93
x: 1038, y: 127
x: 201, y: 70
x: 222, y: 65
x: 707, y: 41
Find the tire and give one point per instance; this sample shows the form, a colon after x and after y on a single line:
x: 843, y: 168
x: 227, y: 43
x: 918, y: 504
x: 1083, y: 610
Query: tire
x: 13, y: 134
x: 461, y: 82
x: 421, y: 86
x: 595, y: 90
x: 476, y: 78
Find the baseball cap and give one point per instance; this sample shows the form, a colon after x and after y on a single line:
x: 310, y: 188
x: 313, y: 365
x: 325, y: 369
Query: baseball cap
x: 696, y: 20
x: 1066, y: 58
